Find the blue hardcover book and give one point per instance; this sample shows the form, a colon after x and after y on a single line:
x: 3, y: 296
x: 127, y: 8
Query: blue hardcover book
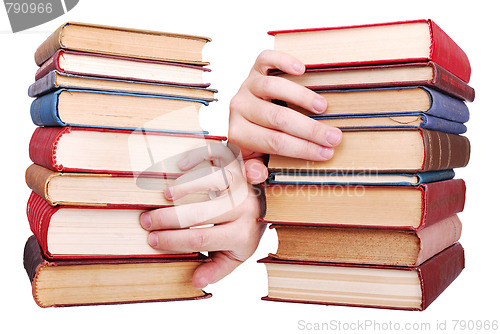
x: 118, y: 110
x: 392, y: 120
x: 55, y: 80
x: 412, y: 106
x: 361, y: 179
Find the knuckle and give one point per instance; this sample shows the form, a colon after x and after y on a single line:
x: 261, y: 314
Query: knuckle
x: 276, y: 142
x: 263, y: 57
x: 277, y: 118
x: 198, y: 240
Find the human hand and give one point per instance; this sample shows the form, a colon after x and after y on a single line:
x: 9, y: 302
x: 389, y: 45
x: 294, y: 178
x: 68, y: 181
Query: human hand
x: 259, y: 126
x: 233, y: 210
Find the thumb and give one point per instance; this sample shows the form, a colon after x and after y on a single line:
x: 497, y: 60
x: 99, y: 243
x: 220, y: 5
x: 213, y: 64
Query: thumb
x: 256, y: 171
x: 222, y: 264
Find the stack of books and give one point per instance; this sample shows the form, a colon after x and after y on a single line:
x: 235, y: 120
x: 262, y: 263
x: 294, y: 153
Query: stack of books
x: 377, y: 225
x: 116, y: 110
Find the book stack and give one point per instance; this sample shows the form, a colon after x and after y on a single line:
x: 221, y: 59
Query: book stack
x: 377, y: 225
x: 116, y: 110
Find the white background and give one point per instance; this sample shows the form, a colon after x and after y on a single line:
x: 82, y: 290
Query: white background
x: 238, y: 30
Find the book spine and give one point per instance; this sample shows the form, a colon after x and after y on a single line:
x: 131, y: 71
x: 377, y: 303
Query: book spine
x: 441, y: 200
x: 441, y: 124
x: 50, y: 65
x: 451, y: 84
x: 435, y: 176
x: 447, y: 53
x: 43, y: 145
x: 32, y: 257
x: 39, y: 212
x: 437, y: 237
x: 38, y: 178
x: 447, y: 107
x: 438, y: 274
x: 43, y: 85
x: 444, y: 150
x: 44, y: 110
x: 49, y: 46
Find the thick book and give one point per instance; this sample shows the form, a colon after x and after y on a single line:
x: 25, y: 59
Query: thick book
x: 99, y: 150
x: 55, y: 80
x: 399, y: 207
x: 392, y: 42
x: 116, y: 67
x: 363, y: 179
x: 137, y: 43
x: 391, y: 287
x: 70, y: 232
x: 387, y: 150
x: 111, y: 190
x: 427, y: 74
x: 365, y: 245
x: 58, y: 283
x: 116, y: 110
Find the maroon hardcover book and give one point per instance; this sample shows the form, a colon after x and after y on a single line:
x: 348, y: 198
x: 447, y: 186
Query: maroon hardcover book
x: 397, y: 291
x: 155, y: 71
x: 88, y: 282
x: 391, y: 75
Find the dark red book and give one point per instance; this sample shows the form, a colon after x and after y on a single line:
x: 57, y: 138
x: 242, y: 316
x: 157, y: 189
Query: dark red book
x: 427, y: 74
x: 392, y: 287
x: 399, y: 207
x: 109, y: 281
x: 118, y: 67
x: 85, y: 232
x: 102, y: 150
x: 383, y: 43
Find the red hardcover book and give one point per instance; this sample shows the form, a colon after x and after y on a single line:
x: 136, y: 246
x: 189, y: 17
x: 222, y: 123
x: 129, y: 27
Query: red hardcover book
x: 427, y: 74
x: 392, y: 42
x: 100, y: 150
x: 392, y: 287
x: 83, y: 232
x: 109, y: 281
x: 118, y: 67
x: 400, y: 207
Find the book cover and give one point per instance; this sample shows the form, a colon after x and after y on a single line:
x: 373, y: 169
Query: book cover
x: 117, y: 110
x: 387, y: 150
x: 400, y: 207
x: 83, y: 232
x: 117, y: 67
x: 417, y: 287
x: 55, y: 80
x: 120, y: 41
x: 114, y: 151
x: 378, y: 246
x: 110, y: 190
x: 427, y: 74
x: 439, y: 105
x: 364, y: 179
x: 58, y: 283
x: 440, y: 48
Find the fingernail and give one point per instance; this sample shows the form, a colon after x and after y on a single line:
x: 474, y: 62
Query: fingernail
x: 183, y: 163
x: 326, y: 153
x: 298, y: 67
x: 146, y: 221
x: 334, y: 137
x: 319, y: 104
x: 169, y: 193
x: 153, y: 239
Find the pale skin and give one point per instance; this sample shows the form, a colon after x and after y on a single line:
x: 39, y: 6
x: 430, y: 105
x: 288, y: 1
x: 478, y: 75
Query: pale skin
x: 258, y: 127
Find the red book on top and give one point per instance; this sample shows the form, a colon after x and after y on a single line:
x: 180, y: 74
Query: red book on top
x: 84, y: 232
x: 382, y: 43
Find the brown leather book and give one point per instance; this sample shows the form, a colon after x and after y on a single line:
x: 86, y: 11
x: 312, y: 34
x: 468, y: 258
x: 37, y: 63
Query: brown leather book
x: 403, y: 150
